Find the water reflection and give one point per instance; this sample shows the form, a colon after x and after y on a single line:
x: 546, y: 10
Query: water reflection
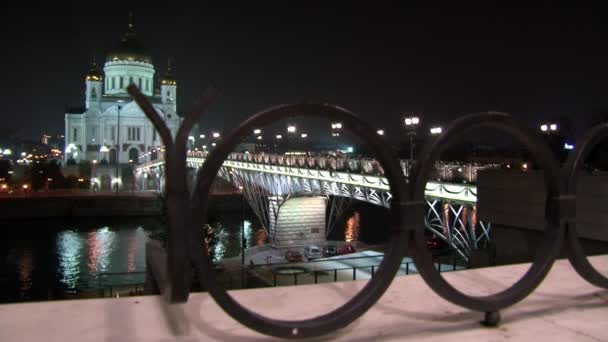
x: 69, y: 248
x: 26, y: 266
x: 46, y: 260
x: 228, y: 239
x: 351, y: 233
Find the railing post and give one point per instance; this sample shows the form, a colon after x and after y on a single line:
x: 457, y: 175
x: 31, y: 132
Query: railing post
x: 453, y: 264
x: 372, y: 271
x: 407, y: 268
x: 354, y: 273
x: 335, y: 274
x: 315, y: 277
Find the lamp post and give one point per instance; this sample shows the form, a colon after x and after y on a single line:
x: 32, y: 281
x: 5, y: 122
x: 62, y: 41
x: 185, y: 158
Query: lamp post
x: 243, y: 240
x: 118, y: 108
x: 410, y: 125
x: 436, y: 130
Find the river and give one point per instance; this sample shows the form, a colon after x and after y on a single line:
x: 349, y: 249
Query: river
x: 61, y: 258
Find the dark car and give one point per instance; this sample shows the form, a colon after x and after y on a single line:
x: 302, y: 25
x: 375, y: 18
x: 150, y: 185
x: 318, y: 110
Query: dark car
x: 294, y: 256
x: 435, y: 243
x: 330, y: 251
x: 347, y: 249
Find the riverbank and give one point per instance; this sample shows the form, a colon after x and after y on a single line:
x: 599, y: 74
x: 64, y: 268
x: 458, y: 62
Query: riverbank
x: 80, y: 204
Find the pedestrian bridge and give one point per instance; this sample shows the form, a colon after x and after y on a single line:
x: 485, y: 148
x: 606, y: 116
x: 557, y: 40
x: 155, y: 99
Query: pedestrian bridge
x: 270, y: 182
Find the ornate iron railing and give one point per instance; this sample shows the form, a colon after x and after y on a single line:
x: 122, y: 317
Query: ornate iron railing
x: 187, y: 211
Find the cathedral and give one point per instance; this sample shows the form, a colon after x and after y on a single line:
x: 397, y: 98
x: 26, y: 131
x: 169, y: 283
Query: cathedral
x: 112, y: 127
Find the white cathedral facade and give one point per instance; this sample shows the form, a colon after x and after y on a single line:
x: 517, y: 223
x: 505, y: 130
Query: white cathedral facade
x: 112, y: 127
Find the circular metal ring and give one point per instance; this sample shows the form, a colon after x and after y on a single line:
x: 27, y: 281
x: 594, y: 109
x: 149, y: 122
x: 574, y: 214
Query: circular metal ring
x: 576, y: 254
x: 555, y: 229
x: 370, y: 293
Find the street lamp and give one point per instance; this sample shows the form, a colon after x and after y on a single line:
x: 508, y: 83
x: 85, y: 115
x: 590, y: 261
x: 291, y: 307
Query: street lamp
x: 243, y: 241
x: 118, y: 108
x: 216, y: 135
x: 410, y: 125
x: 257, y: 131
x: 279, y: 136
x: 380, y: 132
x: 335, y: 129
x: 548, y: 127
x: 303, y: 135
x: 291, y: 129
x: 436, y: 130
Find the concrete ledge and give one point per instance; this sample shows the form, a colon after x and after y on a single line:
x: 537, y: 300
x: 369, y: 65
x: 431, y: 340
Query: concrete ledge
x: 563, y: 308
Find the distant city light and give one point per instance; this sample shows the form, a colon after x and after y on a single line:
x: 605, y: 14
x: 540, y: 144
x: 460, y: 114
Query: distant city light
x: 412, y: 121
x: 216, y: 135
x: 544, y: 128
x: 436, y: 130
x: 336, y: 125
x: 259, y: 137
x: 291, y: 129
x: 191, y: 138
x: 204, y: 147
x: 304, y: 135
x: 279, y: 136
x: 213, y: 144
x: 257, y: 131
x: 8, y: 152
x: 350, y: 149
x: 568, y: 146
x: 380, y: 132
x: 23, y: 154
x: 553, y: 127
x: 202, y: 136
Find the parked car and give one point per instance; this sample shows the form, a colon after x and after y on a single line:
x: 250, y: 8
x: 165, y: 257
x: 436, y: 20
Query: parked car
x: 347, y: 249
x: 294, y: 256
x: 330, y: 251
x: 435, y: 243
x: 312, y: 252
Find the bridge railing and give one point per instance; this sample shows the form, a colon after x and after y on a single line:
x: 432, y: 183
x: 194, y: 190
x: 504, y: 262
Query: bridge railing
x: 170, y: 272
x: 442, y: 171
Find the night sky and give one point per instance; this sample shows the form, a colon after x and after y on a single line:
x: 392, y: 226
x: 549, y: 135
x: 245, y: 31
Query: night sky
x: 536, y: 63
